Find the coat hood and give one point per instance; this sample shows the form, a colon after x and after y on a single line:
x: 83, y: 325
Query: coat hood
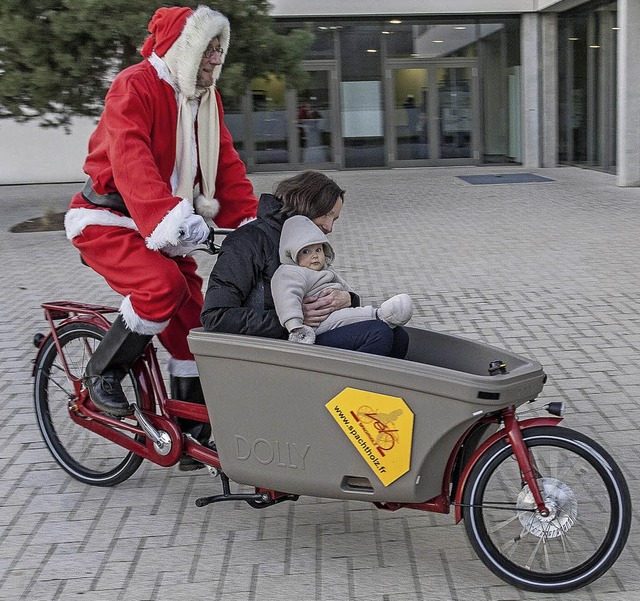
x: 298, y: 232
x: 270, y: 210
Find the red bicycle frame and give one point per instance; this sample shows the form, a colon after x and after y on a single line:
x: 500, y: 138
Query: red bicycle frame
x: 513, y: 432
x: 155, y: 405
x: 160, y: 413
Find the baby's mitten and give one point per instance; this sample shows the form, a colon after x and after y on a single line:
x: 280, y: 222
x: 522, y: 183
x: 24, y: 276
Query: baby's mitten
x: 303, y: 334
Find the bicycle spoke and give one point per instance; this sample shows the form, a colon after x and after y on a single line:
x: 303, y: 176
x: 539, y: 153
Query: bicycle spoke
x: 57, y: 384
x: 529, y: 563
x: 545, y: 552
x: 503, y: 524
x: 511, y: 544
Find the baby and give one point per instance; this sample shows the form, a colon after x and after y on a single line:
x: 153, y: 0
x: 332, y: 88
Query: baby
x: 306, y: 256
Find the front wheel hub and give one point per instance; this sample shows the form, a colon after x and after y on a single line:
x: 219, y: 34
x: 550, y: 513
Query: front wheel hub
x: 561, y: 504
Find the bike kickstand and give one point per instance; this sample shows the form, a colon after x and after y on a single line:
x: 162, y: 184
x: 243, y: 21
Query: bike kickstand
x: 227, y: 495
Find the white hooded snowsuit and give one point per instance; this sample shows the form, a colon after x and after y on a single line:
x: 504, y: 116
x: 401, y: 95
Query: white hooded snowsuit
x: 291, y: 283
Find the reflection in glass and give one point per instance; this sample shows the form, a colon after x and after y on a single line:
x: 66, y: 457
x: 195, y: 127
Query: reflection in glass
x: 322, y: 46
x: 432, y: 40
x: 269, y: 121
x: 501, y: 77
x: 234, y: 120
x: 410, y: 113
x: 587, y: 86
x: 314, y: 120
x: 362, y: 123
x: 361, y: 96
x: 455, y: 118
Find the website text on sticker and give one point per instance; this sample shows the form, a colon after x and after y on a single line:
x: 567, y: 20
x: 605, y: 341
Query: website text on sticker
x: 379, y: 426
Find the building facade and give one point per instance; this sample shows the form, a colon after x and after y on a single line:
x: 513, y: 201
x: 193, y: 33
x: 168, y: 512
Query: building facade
x: 438, y: 83
x: 536, y: 83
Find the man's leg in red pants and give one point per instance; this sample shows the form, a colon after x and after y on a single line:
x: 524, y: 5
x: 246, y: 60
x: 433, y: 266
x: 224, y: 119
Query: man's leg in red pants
x: 187, y: 317
x: 155, y: 290
x: 185, y: 382
x: 153, y: 284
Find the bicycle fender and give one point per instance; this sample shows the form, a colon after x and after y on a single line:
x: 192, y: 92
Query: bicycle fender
x: 528, y: 423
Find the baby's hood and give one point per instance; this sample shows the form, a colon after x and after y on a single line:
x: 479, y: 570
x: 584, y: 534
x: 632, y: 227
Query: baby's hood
x: 298, y: 232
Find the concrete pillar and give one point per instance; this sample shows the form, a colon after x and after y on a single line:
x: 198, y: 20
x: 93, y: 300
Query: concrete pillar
x: 628, y: 129
x: 530, y: 33
x: 549, y: 92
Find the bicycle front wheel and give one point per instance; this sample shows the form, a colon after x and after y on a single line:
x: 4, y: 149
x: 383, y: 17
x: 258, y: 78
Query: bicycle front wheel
x: 83, y: 454
x: 589, y: 503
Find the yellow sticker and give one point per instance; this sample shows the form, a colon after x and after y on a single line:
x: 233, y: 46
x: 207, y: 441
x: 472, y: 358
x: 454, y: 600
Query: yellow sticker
x: 379, y: 426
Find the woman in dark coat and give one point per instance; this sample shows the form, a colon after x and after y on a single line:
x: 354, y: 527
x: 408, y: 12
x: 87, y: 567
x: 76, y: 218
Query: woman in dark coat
x: 238, y: 298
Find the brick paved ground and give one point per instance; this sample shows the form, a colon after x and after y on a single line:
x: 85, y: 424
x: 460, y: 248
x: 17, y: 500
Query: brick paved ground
x: 549, y: 270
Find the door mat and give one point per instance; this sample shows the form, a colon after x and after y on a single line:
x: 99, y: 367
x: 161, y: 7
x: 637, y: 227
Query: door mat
x: 504, y: 178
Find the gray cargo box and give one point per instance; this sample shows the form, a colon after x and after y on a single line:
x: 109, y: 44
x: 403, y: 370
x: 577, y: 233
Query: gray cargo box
x: 266, y: 400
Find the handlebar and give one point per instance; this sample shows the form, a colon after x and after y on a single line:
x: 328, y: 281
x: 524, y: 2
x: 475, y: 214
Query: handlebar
x: 210, y: 244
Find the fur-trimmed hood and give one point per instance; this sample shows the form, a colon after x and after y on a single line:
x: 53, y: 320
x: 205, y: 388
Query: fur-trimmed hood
x: 297, y: 232
x: 184, y: 55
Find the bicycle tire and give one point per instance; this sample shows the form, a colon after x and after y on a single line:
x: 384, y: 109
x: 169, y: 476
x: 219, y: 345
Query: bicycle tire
x: 83, y: 454
x: 588, y: 526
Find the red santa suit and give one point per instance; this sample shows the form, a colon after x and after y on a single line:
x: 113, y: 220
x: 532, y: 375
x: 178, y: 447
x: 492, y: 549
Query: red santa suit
x: 162, y: 149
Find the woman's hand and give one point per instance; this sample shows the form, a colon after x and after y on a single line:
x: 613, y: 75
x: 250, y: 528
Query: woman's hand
x: 316, y: 309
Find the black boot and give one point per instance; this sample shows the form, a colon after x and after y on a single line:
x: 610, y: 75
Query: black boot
x: 189, y: 389
x: 110, y: 362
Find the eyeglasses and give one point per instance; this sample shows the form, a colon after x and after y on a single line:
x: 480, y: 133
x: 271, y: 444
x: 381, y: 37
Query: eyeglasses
x: 209, y: 52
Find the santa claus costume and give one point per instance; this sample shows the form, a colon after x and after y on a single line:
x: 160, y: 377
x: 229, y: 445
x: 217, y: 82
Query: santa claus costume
x: 160, y: 156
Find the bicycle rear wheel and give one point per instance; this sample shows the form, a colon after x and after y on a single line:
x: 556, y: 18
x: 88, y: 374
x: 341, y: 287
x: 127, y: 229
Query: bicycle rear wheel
x: 589, y: 503
x: 85, y: 455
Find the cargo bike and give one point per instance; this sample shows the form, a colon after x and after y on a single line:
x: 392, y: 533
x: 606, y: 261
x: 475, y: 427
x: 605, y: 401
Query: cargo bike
x: 545, y: 508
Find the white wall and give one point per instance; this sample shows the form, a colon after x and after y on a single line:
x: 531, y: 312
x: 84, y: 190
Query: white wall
x: 628, y: 133
x: 531, y: 125
x: 330, y: 8
x: 32, y: 154
x: 296, y: 8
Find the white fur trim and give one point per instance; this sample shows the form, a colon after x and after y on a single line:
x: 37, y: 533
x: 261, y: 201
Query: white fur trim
x: 136, y: 323
x: 207, y: 207
x: 247, y: 220
x: 186, y: 52
x: 76, y: 220
x: 182, y: 368
x: 167, y: 232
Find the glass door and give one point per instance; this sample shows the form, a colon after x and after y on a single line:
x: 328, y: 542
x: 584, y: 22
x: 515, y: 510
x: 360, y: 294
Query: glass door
x: 587, y: 88
x: 269, y: 124
x: 290, y: 130
x: 454, y: 112
x: 434, y: 109
x: 316, y: 120
x: 410, y: 113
